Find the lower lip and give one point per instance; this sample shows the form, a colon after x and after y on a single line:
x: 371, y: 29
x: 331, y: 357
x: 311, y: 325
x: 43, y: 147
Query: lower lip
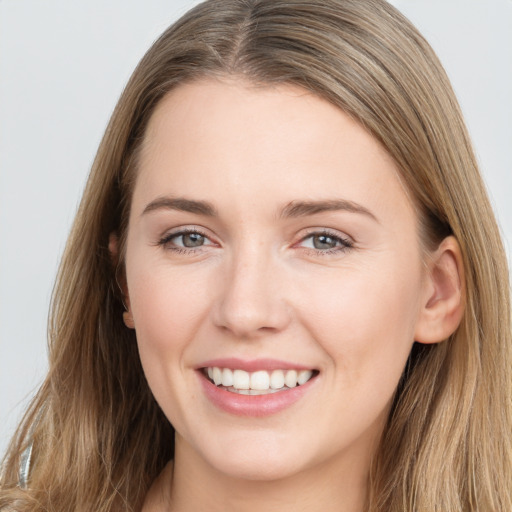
x: 253, y: 405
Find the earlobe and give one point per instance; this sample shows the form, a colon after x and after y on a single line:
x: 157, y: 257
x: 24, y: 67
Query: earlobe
x: 113, y: 245
x: 113, y: 248
x: 128, y: 320
x: 443, y: 302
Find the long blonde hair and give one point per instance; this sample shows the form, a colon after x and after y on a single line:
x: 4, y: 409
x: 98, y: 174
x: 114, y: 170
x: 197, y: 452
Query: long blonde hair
x: 99, y: 438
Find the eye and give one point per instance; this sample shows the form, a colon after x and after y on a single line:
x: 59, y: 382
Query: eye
x: 188, y: 239
x: 325, y: 242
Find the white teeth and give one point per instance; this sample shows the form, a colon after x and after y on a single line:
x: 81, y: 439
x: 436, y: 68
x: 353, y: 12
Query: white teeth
x: 277, y: 379
x: 259, y: 382
x: 290, y: 379
x: 227, y: 377
x: 241, y: 379
x: 304, y: 376
x: 254, y: 391
x: 217, y: 376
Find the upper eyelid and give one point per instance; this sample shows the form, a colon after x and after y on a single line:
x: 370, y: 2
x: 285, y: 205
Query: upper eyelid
x: 343, y: 243
x: 182, y: 231
x: 329, y: 232
x: 185, y: 231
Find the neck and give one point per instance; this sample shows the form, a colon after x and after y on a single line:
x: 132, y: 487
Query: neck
x: 190, y: 484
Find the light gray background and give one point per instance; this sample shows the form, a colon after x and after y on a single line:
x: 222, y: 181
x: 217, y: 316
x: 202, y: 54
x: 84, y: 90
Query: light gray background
x: 63, y: 64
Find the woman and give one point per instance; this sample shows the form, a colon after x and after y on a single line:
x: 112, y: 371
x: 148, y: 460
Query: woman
x: 284, y: 287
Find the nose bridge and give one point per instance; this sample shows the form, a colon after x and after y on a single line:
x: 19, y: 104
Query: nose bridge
x: 252, y: 300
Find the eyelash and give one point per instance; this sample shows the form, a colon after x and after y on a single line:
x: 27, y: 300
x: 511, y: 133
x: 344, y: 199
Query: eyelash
x: 165, y: 240
x: 345, y: 243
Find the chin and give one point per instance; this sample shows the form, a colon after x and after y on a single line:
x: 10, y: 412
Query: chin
x: 263, y: 459
x: 262, y: 469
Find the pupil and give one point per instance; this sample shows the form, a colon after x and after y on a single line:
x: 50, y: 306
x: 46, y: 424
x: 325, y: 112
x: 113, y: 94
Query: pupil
x: 324, y: 242
x: 193, y: 240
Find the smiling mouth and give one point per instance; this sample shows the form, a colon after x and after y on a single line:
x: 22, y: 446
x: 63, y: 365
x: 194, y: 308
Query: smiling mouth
x: 260, y: 382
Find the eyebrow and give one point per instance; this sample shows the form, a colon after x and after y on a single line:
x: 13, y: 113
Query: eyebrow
x: 181, y: 204
x: 304, y: 208
x: 293, y: 209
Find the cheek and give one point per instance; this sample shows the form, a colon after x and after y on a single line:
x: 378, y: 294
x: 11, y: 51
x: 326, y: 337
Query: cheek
x: 165, y: 303
x: 167, y: 311
x: 365, y: 322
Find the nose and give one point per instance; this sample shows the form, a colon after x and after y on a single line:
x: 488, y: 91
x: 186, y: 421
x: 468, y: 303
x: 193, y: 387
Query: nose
x: 251, y: 301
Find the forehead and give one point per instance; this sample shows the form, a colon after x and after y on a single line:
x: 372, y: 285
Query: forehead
x: 230, y: 138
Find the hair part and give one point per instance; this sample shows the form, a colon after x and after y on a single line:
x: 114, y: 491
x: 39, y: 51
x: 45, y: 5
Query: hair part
x: 101, y: 438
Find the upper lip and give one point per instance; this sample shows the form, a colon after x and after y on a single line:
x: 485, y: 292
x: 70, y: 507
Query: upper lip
x: 253, y: 364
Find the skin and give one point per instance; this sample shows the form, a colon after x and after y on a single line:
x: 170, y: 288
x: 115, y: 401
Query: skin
x: 258, y: 288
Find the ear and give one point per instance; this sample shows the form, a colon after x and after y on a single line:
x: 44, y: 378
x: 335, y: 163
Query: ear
x: 113, y: 248
x: 442, y: 304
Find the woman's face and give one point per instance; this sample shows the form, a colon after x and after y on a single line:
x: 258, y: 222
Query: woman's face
x: 270, y: 242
